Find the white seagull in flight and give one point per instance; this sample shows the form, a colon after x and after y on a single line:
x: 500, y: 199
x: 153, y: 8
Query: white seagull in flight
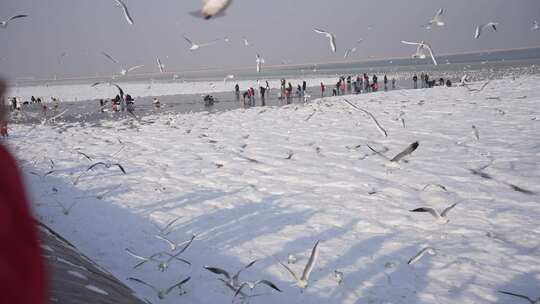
x: 259, y: 60
x: 4, y: 24
x: 420, y: 51
x: 330, y: 37
x: 481, y: 28
x: 349, y: 52
x: 123, y: 70
x: 212, y: 8
x: 195, y: 46
x: 437, y: 20
x: 535, y: 26
x: 121, y: 4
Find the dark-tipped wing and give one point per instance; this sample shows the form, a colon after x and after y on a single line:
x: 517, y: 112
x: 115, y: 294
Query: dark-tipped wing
x: 179, y: 284
x: 218, y: 271
x: 410, y: 149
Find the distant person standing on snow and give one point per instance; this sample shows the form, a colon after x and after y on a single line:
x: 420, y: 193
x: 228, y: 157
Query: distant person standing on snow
x: 322, y: 89
x: 237, y: 92
x: 422, y: 79
x: 415, y: 81
x: 393, y: 83
x: 385, y: 83
x: 263, y: 92
x: 304, y: 87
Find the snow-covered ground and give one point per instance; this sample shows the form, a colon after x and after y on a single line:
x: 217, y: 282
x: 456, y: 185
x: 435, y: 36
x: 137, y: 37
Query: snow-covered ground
x: 266, y: 183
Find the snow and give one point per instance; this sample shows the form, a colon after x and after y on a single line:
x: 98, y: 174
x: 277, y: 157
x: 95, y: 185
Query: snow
x: 227, y: 175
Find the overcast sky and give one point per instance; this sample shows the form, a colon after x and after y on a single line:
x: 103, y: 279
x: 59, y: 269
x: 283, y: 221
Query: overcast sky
x: 278, y: 29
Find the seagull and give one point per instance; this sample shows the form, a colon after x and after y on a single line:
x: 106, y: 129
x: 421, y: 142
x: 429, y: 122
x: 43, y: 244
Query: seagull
x: 259, y: 60
x: 194, y: 46
x: 339, y: 276
x: 113, y: 84
x: 121, y: 4
x: 163, y: 231
x: 330, y: 36
x: 437, y: 20
x: 107, y: 165
x: 481, y: 28
x: 379, y: 127
x: 4, y: 24
x: 410, y: 149
x: 535, y: 26
x: 419, y: 255
x: 161, y: 66
x: 161, y: 293
x: 163, y: 265
x: 521, y: 296
x: 246, y: 42
x: 422, y: 46
x: 348, y: 52
x: 435, y: 185
x: 440, y: 217
x: 230, y: 281
x: 123, y: 70
x: 475, y: 132
x: 212, y: 8
x: 252, y: 285
x: 302, y: 282
x: 173, y: 245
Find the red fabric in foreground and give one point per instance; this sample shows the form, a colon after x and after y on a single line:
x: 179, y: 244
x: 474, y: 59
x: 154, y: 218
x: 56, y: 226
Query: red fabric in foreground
x: 22, y: 269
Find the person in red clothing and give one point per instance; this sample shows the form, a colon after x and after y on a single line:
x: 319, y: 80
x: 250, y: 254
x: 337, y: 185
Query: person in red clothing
x: 22, y: 269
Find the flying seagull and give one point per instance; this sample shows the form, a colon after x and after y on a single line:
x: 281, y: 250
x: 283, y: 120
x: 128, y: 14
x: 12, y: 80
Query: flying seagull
x: 163, y: 265
x: 195, y: 46
x: 212, y: 8
x: 481, y: 28
x: 4, y: 24
x: 349, y: 52
x: 535, y: 26
x: 302, y: 282
x: 230, y: 281
x: 410, y: 149
x: 419, y: 255
x: 123, y: 70
x: 246, y: 42
x: 121, y: 4
x: 521, y: 296
x: 161, y: 293
x: 437, y: 20
x: 330, y: 37
x: 161, y: 66
x: 438, y: 216
x: 422, y: 47
x: 252, y: 285
x: 259, y: 60
x: 120, y: 91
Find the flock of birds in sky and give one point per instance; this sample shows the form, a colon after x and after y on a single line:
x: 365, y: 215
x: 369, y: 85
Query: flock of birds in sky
x: 216, y: 8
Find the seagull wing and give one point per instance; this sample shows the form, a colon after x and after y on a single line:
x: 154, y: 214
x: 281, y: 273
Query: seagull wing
x: 419, y: 255
x: 218, y: 271
x: 478, y: 32
x: 187, y: 245
x: 179, y: 284
x: 171, y: 244
x: 347, y: 52
x: 311, y: 262
x: 210, y: 43
x: 126, y: 11
x: 333, y: 43
x: 320, y: 31
x: 290, y: 271
x: 171, y: 223
x: 135, y: 67
x: 131, y: 253
x: 110, y: 57
x: 121, y: 93
x: 431, y: 211
x: 410, y: 149
x: 189, y: 41
x: 236, y: 275
x: 144, y: 283
x: 160, y: 66
x: 17, y: 17
x: 517, y: 295
x: 440, y: 12
x: 445, y: 211
x: 95, y: 165
x: 410, y: 43
x: 431, y: 54
x: 268, y: 283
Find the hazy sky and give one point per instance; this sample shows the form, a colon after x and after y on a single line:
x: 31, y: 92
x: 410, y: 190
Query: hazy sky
x: 278, y: 29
